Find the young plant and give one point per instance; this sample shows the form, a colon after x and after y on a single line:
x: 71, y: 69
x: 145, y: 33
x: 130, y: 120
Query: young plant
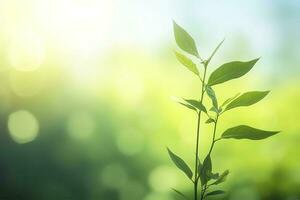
x: 203, y: 171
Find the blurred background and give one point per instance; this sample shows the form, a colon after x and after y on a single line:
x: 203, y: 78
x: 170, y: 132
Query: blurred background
x: 85, y: 98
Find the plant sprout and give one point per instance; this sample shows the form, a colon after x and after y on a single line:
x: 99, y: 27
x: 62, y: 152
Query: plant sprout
x: 203, y: 176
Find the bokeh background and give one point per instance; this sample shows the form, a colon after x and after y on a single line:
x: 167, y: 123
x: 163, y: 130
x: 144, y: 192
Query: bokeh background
x: 85, y: 103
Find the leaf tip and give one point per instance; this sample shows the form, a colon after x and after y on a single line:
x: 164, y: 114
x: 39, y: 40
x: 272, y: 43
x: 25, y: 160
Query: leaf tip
x: 276, y: 132
x: 222, y: 41
x: 174, y: 24
x: 267, y: 92
x: 256, y: 60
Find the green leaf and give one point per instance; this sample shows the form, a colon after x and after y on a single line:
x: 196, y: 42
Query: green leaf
x: 210, y: 120
x: 205, y: 172
x: 247, y: 132
x: 212, y: 95
x: 216, y: 192
x: 247, y: 99
x: 180, y: 193
x: 191, y: 104
x: 184, y: 40
x: 188, y: 63
x: 213, y: 109
x: 229, y: 71
x: 214, y: 176
x: 180, y: 164
x: 196, y: 104
x: 188, y: 106
x: 215, y: 51
x: 200, y: 166
x: 220, y: 110
x: 227, y: 101
x: 221, y: 178
x: 184, y: 103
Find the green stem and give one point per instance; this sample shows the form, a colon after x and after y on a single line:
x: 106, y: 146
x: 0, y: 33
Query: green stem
x: 210, y: 151
x: 203, y: 192
x: 198, y: 138
x: 214, y: 135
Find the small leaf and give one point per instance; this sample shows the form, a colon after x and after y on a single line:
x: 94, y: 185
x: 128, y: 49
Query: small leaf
x: 214, y: 52
x: 213, y: 109
x: 247, y: 132
x: 216, y: 192
x: 247, y: 99
x: 191, y: 104
x: 205, y: 173
x: 188, y: 106
x: 200, y: 166
x: 220, y: 110
x: 212, y: 95
x: 188, y: 63
x: 196, y: 104
x: 229, y: 71
x: 184, y: 40
x: 180, y: 193
x: 210, y: 120
x: 214, y: 176
x: 221, y: 178
x: 184, y: 103
x: 180, y: 164
x: 229, y: 100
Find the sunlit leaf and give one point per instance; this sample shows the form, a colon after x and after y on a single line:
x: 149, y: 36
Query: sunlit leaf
x: 188, y: 63
x: 229, y: 71
x: 247, y: 132
x: 216, y: 192
x: 229, y: 100
x: 212, y: 95
x: 196, y: 104
x: 180, y: 164
x: 213, y: 109
x: 191, y: 104
x: 247, y: 99
x: 221, y: 178
x: 180, y: 193
x: 188, y: 106
x: 181, y: 101
x: 184, y: 40
x: 215, y: 51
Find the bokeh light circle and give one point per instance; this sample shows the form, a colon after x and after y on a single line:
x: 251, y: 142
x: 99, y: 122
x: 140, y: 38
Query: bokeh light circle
x: 23, y: 126
x: 130, y: 142
x: 81, y: 125
x: 162, y: 178
x: 114, y: 176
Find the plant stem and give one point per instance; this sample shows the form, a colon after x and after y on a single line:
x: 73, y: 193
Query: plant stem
x: 210, y: 151
x: 198, y: 137
x: 203, y: 192
x: 214, y: 135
